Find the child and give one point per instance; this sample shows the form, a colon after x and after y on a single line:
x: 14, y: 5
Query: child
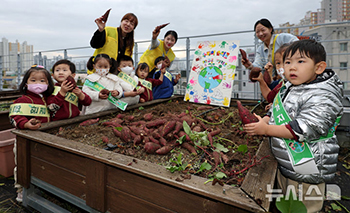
x: 102, y: 86
x: 67, y: 101
x: 266, y: 92
x: 166, y: 89
x: 129, y: 81
x: 147, y: 83
x: 158, y: 65
x: 305, y: 112
x: 30, y: 110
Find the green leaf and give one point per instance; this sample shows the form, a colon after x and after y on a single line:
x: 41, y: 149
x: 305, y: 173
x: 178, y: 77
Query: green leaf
x: 346, y: 166
x: 345, y: 197
x: 335, y: 207
x: 179, y: 160
x: 181, y: 139
x: 290, y: 205
x: 119, y: 128
x: 187, y: 128
x: 204, y: 166
x: 220, y: 147
x: 220, y: 175
x: 242, y: 148
x: 141, y: 108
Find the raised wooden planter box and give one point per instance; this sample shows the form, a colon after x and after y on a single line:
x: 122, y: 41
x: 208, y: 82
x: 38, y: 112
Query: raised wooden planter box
x: 99, y: 180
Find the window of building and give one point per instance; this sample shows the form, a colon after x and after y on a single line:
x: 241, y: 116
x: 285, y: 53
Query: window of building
x: 244, y: 84
x: 243, y: 72
x: 343, y: 65
x: 344, y: 46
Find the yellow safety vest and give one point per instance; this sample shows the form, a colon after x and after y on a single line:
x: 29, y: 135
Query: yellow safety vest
x: 111, y: 45
x: 149, y: 56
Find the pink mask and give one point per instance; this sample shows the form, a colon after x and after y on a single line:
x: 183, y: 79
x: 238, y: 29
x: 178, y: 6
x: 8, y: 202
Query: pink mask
x: 37, y: 88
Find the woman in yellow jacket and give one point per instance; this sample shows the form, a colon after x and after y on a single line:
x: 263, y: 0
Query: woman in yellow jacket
x: 159, y: 48
x: 114, y: 41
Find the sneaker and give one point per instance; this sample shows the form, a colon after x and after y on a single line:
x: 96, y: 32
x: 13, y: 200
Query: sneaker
x: 19, y: 197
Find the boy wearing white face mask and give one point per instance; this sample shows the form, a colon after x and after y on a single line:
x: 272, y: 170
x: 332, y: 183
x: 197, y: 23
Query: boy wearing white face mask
x: 128, y: 81
x: 102, y: 86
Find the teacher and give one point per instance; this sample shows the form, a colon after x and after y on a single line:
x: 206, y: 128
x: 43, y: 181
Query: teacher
x: 270, y: 44
x: 159, y: 48
x: 114, y: 41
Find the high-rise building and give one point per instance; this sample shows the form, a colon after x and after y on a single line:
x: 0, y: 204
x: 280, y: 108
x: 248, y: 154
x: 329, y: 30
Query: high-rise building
x: 15, y: 55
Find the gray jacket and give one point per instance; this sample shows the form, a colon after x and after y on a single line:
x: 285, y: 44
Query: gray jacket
x: 313, y: 109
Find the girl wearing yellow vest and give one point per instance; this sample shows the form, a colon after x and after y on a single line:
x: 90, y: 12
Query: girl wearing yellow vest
x: 114, y: 41
x: 159, y: 48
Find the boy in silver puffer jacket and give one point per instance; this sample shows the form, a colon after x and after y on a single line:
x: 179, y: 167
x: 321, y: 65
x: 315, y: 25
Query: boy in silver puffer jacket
x: 302, y: 122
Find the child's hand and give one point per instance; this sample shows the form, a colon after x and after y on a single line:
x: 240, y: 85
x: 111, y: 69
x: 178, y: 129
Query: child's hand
x: 163, y: 70
x: 65, y: 87
x: 260, y: 78
x: 140, y: 91
x: 103, y: 95
x: 142, y: 100
x: 114, y: 93
x: 269, y: 67
x: 32, y: 124
x: 246, y: 63
x: 258, y: 128
x: 267, y: 107
x: 77, y: 91
x: 177, y: 78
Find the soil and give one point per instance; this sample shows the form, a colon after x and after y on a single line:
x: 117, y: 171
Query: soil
x: 237, y: 150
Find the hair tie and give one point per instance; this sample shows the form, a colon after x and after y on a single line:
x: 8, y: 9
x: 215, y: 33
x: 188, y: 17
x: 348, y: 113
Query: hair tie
x: 37, y: 66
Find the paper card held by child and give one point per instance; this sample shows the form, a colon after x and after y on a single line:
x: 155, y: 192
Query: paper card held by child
x: 212, y: 73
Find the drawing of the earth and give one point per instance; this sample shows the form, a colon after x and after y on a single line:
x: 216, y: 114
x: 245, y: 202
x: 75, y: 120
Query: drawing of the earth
x: 209, y: 78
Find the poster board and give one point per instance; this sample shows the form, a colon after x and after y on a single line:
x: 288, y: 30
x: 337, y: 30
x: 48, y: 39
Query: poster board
x: 212, y: 73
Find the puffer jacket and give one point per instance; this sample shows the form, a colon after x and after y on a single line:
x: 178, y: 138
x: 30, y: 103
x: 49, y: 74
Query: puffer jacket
x: 313, y: 109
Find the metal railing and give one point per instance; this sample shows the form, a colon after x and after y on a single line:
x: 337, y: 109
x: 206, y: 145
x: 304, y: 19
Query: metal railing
x: 184, y: 49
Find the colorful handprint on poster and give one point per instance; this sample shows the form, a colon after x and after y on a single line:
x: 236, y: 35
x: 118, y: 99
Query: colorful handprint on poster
x: 212, y: 73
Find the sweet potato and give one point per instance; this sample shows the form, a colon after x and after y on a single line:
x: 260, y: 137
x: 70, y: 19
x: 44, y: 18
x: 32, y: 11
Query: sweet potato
x: 246, y: 116
x: 154, y: 140
x: 182, y: 133
x: 138, y: 123
x: 72, y: 81
x: 89, y: 122
x: 215, y: 132
x: 244, y: 55
x: 105, y: 92
x: 151, y: 147
x: 120, y: 116
x: 105, y: 16
x: 117, y: 132
x: 197, y: 129
x: 267, y: 77
x: 164, y: 150
x: 189, y: 147
x: 178, y: 127
x: 129, y: 118
x: 156, y: 134
x: 157, y: 29
x: 162, y: 141
x: 117, y: 120
x: 217, y: 158
x: 137, y: 139
x: 155, y: 123
x: 204, y: 108
x: 111, y: 123
x: 105, y: 139
x: 182, y: 114
x: 146, y: 140
x: 148, y: 116
x: 136, y: 130
x: 188, y: 119
x: 224, y: 157
x: 210, y: 138
x: 170, y: 125
x: 125, y: 134
x: 254, y: 73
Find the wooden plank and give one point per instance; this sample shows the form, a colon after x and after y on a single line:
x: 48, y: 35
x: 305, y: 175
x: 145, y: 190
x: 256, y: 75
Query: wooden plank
x: 96, y: 185
x: 154, y: 192
x: 233, y: 195
x: 118, y: 201
x: 61, y: 158
x: 64, y: 179
x: 257, y: 178
x: 23, y: 161
x: 5, y: 121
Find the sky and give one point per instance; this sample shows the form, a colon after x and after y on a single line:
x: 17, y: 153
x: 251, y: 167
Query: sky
x: 60, y: 24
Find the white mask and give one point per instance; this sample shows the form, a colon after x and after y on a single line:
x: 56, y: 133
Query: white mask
x: 159, y: 66
x: 128, y: 70
x: 280, y: 72
x: 102, y: 72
